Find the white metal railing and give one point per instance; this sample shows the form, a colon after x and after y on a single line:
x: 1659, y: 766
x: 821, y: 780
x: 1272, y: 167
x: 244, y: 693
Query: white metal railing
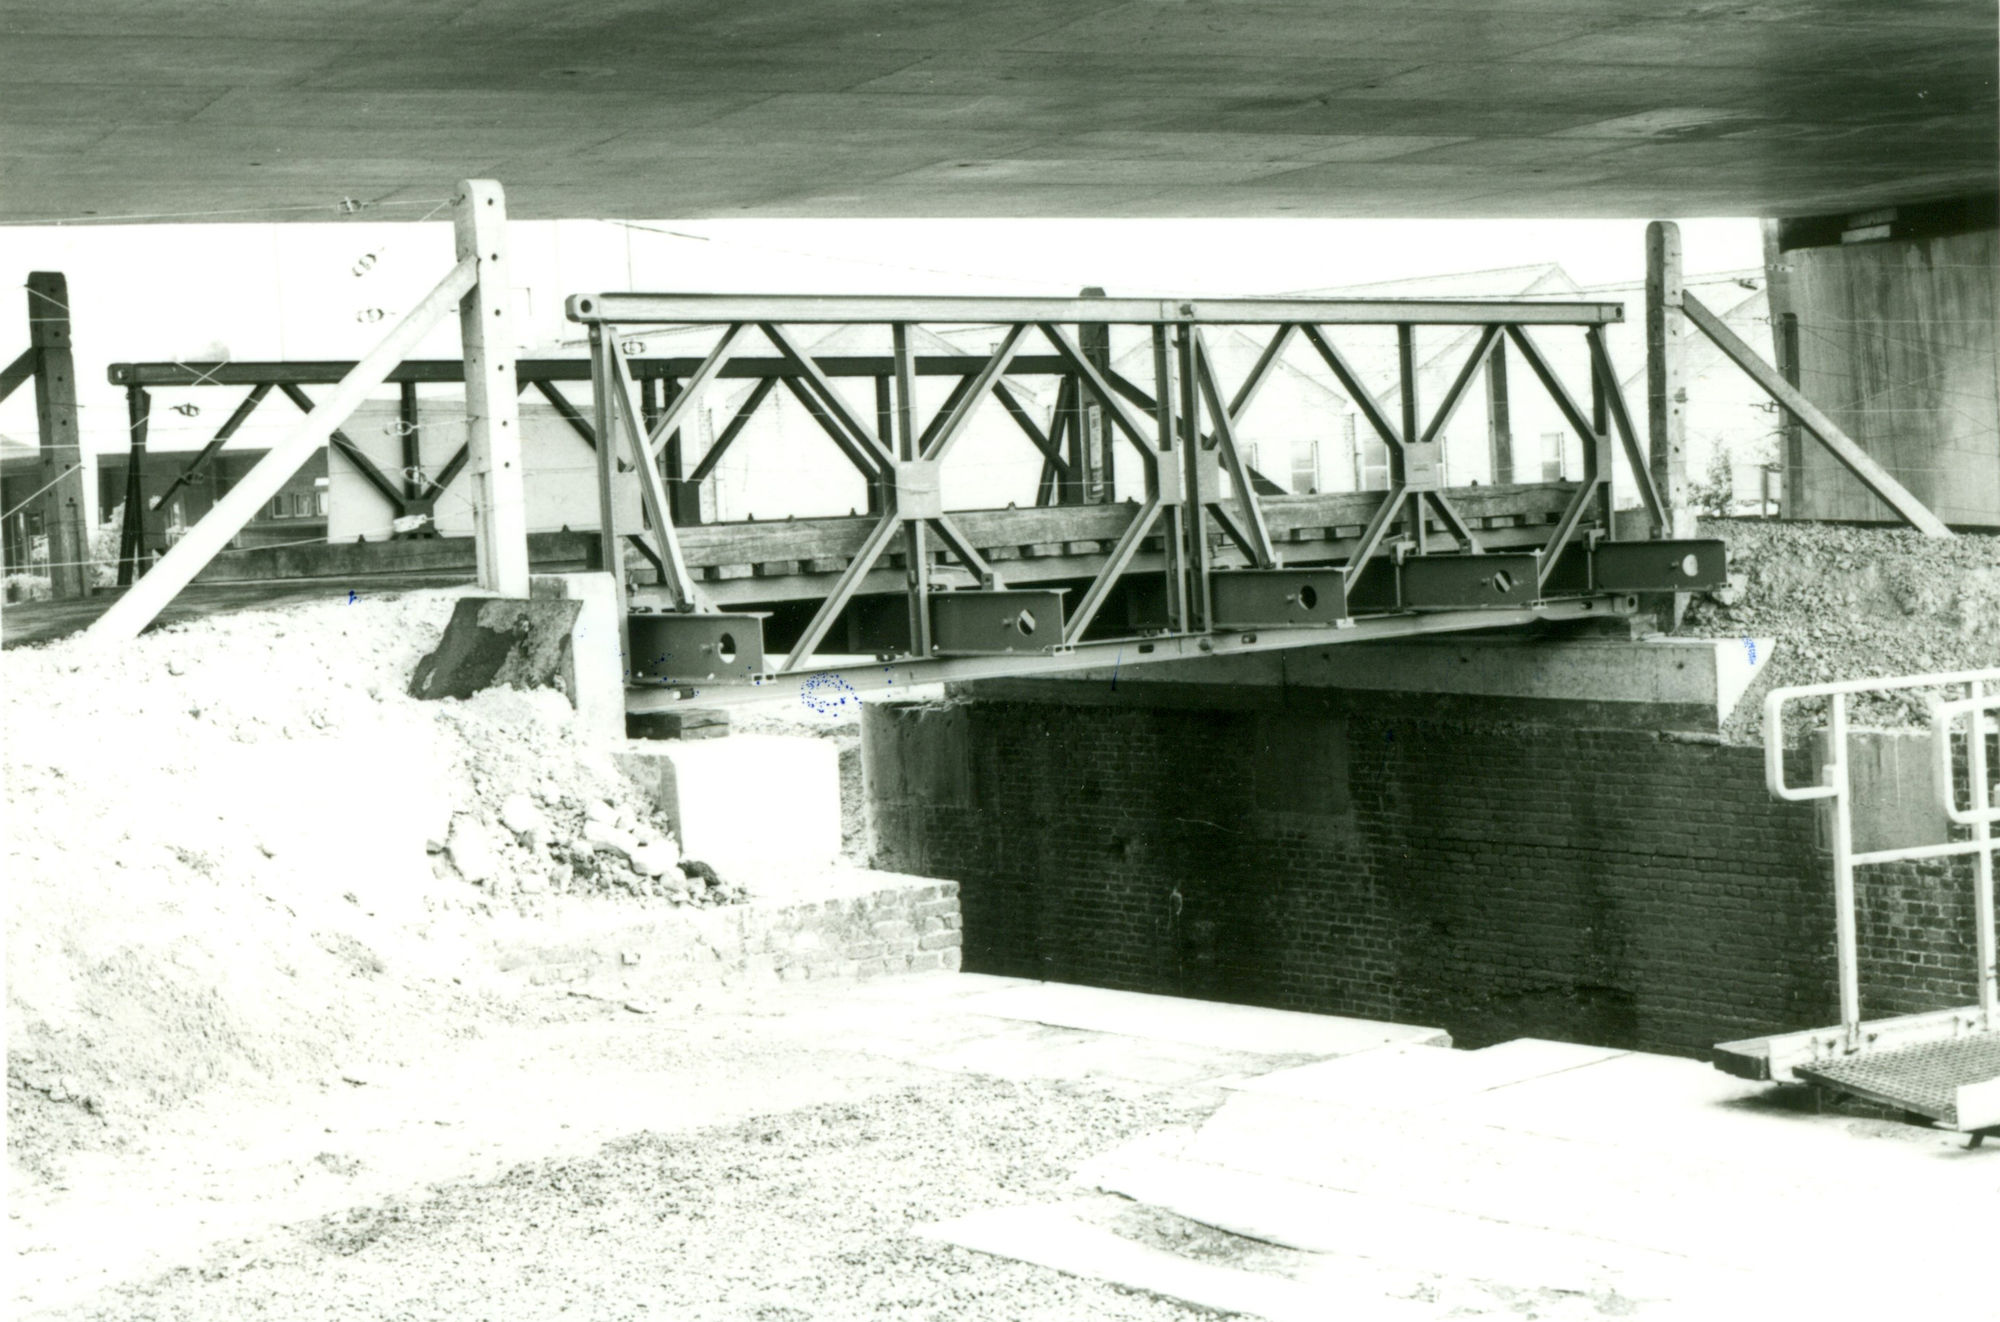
x: 1983, y: 697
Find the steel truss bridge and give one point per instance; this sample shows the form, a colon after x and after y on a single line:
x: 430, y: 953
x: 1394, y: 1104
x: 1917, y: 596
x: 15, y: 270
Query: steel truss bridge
x: 1212, y: 558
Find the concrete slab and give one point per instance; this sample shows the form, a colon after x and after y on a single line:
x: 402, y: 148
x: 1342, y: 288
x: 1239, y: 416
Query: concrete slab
x: 1334, y: 1221
x: 751, y: 804
x: 1647, y: 1155
x: 1050, y: 1237
x: 1202, y: 1023
x: 1020, y: 1050
x: 1411, y: 1078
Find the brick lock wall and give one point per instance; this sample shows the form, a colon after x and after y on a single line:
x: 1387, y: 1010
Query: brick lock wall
x: 1612, y: 887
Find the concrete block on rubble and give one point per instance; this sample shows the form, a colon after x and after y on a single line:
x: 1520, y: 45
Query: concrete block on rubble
x: 496, y: 642
x: 593, y: 674
x: 751, y: 802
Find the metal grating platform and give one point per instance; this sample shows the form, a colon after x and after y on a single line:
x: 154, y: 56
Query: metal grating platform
x: 1925, y: 1079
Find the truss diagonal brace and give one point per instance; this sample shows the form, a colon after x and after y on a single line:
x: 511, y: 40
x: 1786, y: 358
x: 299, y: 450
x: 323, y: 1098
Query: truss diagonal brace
x: 1027, y: 425
x: 1546, y: 375
x: 683, y: 403
x: 1635, y: 458
x: 1121, y: 555
x: 1252, y: 525
x: 758, y: 394
x: 1355, y: 390
x: 1372, y: 535
x: 968, y: 555
x: 1481, y: 351
x: 1455, y: 522
x: 22, y: 368
x: 353, y: 453
x: 1260, y: 371
x: 1100, y: 387
x: 844, y: 588
x: 869, y: 445
x: 989, y: 376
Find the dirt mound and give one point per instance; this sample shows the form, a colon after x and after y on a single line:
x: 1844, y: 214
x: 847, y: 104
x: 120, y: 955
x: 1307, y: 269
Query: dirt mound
x: 1850, y: 603
x: 240, y: 853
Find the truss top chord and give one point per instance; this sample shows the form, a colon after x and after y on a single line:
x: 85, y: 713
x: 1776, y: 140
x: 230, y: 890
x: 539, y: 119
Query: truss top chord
x: 636, y: 309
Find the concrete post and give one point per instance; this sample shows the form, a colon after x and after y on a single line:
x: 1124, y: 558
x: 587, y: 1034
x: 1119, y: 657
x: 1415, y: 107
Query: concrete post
x: 61, y: 503
x: 1666, y: 394
x: 486, y: 328
x: 1666, y: 387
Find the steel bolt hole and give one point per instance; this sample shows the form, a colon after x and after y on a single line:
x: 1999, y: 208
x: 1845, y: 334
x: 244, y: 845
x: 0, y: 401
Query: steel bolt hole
x: 1689, y: 566
x: 1502, y: 581
x: 725, y: 648
x: 1025, y: 622
x: 1308, y: 597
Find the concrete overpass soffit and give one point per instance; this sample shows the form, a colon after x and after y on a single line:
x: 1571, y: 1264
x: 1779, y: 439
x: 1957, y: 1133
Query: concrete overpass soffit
x: 169, y: 108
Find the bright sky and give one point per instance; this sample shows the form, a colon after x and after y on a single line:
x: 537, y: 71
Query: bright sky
x: 266, y: 291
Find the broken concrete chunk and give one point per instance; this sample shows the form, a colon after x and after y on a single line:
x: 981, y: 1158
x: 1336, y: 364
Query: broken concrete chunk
x: 605, y: 838
x: 471, y: 852
x: 519, y: 814
x: 494, y: 642
x: 653, y: 858
x: 599, y: 811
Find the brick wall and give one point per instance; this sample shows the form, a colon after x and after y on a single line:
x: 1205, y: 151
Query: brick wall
x: 897, y: 925
x: 1611, y: 887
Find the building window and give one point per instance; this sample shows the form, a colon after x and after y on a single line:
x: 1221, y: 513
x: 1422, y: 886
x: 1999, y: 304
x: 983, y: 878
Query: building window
x: 1305, y: 468
x: 1554, y: 456
x: 302, y: 504
x: 281, y: 508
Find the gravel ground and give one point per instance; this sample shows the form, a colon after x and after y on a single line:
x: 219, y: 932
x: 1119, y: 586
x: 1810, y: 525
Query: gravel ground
x: 805, y: 1214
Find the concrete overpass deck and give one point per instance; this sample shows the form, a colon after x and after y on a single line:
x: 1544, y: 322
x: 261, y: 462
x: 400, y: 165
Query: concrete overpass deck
x: 165, y: 109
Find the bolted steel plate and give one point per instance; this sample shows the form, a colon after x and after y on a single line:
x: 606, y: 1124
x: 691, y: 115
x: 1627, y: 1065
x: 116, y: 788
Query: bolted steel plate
x: 1469, y: 582
x: 1692, y: 565
x: 983, y: 623
x: 671, y: 648
x: 1270, y: 598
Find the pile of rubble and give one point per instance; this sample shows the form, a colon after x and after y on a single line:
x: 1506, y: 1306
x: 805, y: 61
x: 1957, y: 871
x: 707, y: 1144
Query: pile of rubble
x: 551, y: 841
x: 239, y: 852
x: 1841, y: 602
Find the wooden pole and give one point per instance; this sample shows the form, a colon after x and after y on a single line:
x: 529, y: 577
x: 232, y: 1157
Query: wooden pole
x: 492, y: 410
x: 132, y: 536
x: 1499, y: 424
x: 1093, y: 428
x: 1786, y: 340
x: 61, y: 502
